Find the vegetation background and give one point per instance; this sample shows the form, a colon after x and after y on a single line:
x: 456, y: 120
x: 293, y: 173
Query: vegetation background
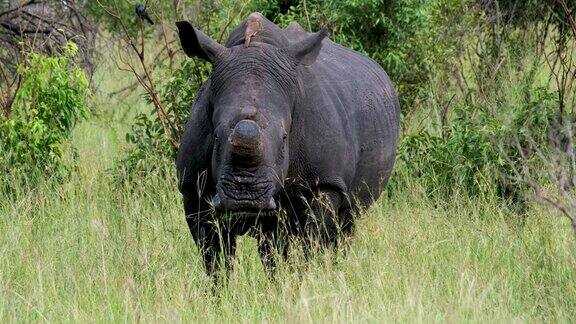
x: 478, y: 223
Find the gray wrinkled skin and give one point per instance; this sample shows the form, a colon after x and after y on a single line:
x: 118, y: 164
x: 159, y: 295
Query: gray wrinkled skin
x: 290, y: 135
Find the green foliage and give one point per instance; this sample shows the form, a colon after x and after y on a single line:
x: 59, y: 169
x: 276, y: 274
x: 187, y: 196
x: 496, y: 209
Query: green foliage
x: 526, y: 12
x: 53, y: 96
x: 479, y: 149
x: 147, y: 138
x: 444, y: 166
x: 177, y: 91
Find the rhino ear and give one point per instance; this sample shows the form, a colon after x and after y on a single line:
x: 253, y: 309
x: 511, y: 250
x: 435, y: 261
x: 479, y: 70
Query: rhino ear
x: 196, y: 44
x: 306, y: 51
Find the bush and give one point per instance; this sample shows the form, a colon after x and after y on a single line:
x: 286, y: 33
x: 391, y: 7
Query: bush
x: 479, y: 148
x: 498, y: 109
x: 53, y: 96
x: 147, y: 137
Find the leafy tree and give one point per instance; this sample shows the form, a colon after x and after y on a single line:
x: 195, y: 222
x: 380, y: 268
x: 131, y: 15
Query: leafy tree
x: 53, y: 97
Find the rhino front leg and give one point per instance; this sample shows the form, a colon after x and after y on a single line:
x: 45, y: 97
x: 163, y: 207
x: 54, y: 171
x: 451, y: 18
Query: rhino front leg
x: 212, y: 242
x: 322, y: 222
x: 272, y: 242
x: 210, y: 238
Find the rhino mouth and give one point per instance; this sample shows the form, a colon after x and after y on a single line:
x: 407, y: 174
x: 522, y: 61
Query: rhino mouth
x: 244, y: 196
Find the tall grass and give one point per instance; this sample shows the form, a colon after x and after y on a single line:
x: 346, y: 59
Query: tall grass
x: 90, y: 251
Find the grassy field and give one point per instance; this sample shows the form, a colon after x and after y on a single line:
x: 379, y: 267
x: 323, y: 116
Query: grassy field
x: 92, y: 251
x: 89, y: 251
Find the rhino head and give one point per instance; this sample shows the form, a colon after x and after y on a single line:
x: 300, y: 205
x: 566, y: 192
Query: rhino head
x: 253, y: 91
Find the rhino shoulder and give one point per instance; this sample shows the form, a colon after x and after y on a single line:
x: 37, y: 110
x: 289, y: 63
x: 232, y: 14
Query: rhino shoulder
x: 196, y: 143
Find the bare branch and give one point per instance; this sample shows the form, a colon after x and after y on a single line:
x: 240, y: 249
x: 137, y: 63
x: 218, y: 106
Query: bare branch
x: 145, y: 77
